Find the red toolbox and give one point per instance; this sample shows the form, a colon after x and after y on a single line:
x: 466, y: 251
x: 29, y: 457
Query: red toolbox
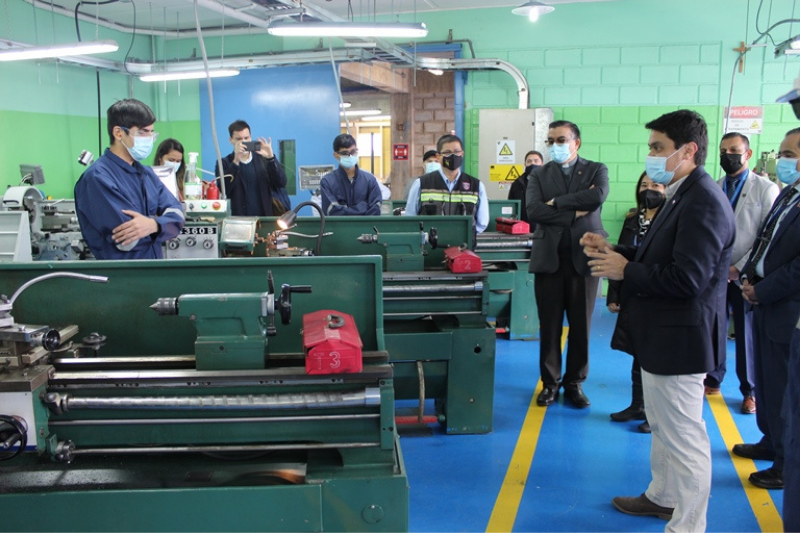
x: 512, y: 226
x: 331, y: 343
x: 460, y: 261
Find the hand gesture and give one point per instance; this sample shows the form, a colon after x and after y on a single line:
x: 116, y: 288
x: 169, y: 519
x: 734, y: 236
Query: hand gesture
x: 239, y: 152
x: 137, y: 227
x: 266, y: 147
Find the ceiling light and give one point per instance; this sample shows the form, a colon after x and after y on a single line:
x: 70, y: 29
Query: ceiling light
x: 360, y: 112
x: 347, y: 29
x: 532, y: 10
x: 62, y: 50
x: 344, y: 105
x: 436, y: 71
x: 377, y: 118
x: 190, y: 75
x: 795, y: 44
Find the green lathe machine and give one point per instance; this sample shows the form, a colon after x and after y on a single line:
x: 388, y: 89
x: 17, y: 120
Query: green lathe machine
x: 173, y: 396
x: 434, y: 321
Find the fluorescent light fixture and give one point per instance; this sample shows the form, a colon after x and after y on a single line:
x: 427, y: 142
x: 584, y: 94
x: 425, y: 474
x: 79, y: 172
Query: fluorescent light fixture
x: 61, y: 50
x: 795, y: 44
x: 360, y: 113
x: 792, y: 52
x: 436, y: 71
x: 347, y: 29
x: 344, y: 105
x: 377, y: 118
x: 190, y: 75
x: 532, y: 10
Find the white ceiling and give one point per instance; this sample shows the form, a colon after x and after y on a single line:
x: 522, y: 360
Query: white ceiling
x: 172, y: 15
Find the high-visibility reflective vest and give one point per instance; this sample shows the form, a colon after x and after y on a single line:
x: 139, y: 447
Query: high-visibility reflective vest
x: 436, y: 199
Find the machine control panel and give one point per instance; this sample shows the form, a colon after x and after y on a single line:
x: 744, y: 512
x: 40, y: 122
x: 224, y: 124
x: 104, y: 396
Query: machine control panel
x: 196, y: 241
x: 215, y: 208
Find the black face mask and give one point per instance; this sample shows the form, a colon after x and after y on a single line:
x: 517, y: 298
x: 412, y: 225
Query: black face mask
x: 452, y: 161
x: 651, y: 199
x: 731, y: 163
x: 529, y: 169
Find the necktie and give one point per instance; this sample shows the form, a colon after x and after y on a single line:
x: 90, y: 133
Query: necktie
x: 730, y: 186
x: 766, y: 236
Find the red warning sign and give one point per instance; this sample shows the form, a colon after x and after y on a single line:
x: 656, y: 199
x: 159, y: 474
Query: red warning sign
x: 400, y: 152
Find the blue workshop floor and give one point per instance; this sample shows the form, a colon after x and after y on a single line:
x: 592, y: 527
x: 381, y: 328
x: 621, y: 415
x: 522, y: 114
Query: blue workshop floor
x: 581, y: 458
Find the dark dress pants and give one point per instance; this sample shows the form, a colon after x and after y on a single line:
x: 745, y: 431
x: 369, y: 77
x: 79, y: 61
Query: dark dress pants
x: 564, y: 291
x: 791, y: 470
x: 743, y: 330
x: 771, y: 369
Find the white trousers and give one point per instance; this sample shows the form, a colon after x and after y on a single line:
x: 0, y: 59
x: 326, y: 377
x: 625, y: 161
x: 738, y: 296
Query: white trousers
x: 680, y: 456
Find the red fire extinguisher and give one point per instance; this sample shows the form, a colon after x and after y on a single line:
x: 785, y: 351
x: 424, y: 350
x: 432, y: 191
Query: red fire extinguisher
x: 212, y: 192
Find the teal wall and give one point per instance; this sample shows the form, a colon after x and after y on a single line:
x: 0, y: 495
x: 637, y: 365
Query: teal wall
x: 608, y: 66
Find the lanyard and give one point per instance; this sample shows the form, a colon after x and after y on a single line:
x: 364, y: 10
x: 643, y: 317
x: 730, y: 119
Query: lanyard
x: 782, y: 209
x: 738, y: 190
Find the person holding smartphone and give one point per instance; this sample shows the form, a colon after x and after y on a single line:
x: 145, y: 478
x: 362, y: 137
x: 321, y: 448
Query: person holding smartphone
x: 254, y: 179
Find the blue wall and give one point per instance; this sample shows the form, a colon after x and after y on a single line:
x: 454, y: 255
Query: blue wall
x: 308, y: 113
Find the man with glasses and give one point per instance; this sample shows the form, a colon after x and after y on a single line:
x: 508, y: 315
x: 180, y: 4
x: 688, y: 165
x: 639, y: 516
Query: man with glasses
x: 255, y: 182
x: 448, y: 190
x: 124, y: 210
x: 564, y: 199
x: 348, y: 190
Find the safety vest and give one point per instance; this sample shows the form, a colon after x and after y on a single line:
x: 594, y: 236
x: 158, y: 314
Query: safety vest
x: 436, y: 199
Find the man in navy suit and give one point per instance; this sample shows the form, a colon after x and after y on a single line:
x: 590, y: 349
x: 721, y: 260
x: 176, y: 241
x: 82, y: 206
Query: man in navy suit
x: 772, y: 286
x: 673, y: 302
x: 564, y: 199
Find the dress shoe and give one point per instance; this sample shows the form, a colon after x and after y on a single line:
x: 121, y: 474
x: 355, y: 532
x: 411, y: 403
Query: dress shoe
x: 712, y: 390
x: 644, y: 427
x: 771, y: 478
x: 749, y: 405
x: 548, y: 396
x: 577, y: 397
x: 753, y: 451
x: 629, y: 413
x: 641, y: 506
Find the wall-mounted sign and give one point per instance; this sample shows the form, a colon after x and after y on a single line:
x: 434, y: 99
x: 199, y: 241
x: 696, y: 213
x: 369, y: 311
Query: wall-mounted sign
x: 310, y: 176
x: 400, y: 152
x: 748, y: 120
x: 505, y: 152
x: 505, y: 173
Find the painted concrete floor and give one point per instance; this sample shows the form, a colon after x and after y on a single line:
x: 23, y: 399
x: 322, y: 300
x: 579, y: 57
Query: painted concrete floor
x: 582, y: 459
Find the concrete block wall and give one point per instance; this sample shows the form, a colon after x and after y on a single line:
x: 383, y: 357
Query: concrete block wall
x: 434, y: 116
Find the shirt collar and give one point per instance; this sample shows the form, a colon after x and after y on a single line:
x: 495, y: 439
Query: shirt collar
x: 447, y: 182
x: 135, y: 168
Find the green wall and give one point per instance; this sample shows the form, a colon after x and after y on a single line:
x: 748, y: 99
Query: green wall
x: 608, y: 66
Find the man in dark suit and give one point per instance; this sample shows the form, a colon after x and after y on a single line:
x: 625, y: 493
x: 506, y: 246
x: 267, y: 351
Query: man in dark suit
x: 772, y: 286
x: 533, y: 159
x: 564, y: 199
x: 673, y: 299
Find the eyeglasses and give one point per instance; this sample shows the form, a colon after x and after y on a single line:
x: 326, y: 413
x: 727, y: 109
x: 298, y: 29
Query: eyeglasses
x: 450, y: 152
x: 141, y: 133
x: 346, y: 153
x: 560, y: 140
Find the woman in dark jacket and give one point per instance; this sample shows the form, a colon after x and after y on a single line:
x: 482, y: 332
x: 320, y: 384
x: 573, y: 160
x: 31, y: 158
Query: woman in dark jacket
x: 649, y: 198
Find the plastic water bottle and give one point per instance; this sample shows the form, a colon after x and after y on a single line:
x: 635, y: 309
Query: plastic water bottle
x: 192, y: 186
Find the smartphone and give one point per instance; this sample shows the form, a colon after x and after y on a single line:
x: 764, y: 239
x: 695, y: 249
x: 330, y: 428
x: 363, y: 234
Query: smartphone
x: 252, y: 146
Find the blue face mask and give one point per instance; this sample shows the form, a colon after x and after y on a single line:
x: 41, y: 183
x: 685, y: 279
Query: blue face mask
x: 349, y: 161
x: 175, y: 166
x: 787, y: 170
x: 656, y: 168
x: 432, y: 166
x: 142, y: 146
x: 560, y: 153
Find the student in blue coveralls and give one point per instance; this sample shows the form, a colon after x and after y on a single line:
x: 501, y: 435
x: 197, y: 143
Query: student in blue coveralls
x: 124, y: 210
x: 348, y: 190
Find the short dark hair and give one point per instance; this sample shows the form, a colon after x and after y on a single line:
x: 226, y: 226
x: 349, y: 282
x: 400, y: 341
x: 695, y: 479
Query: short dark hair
x: 128, y: 113
x: 444, y: 139
x: 571, y: 125
x: 639, y: 205
x: 795, y: 131
x: 684, y: 126
x: 533, y: 152
x: 345, y: 140
x: 733, y: 135
x: 166, y: 146
x: 429, y: 153
x: 237, y: 125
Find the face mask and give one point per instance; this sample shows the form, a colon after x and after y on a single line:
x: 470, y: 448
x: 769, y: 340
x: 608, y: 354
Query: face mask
x: 787, y: 170
x: 650, y: 198
x: 173, y: 165
x: 560, y: 153
x: 432, y: 166
x: 142, y: 146
x: 731, y: 163
x: 530, y: 168
x: 452, y: 161
x: 348, y: 161
x: 656, y: 168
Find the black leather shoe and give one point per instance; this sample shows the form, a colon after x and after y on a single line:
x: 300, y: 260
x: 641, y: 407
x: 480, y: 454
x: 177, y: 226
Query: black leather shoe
x: 548, y: 396
x: 576, y: 396
x: 641, y: 506
x: 628, y: 414
x: 771, y: 478
x: 753, y: 451
x: 644, y: 427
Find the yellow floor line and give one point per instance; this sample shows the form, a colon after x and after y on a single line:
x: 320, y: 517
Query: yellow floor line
x: 506, y: 506
x: 760, y: 500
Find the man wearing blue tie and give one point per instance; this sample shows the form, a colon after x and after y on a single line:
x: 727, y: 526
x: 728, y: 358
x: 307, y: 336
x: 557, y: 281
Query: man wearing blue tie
x: 751, y: 197
x: 772, y: 286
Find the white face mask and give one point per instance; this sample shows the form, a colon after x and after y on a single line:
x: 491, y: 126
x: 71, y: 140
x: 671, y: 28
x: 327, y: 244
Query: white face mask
x: 175, y: 166
x: 432, y: 166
